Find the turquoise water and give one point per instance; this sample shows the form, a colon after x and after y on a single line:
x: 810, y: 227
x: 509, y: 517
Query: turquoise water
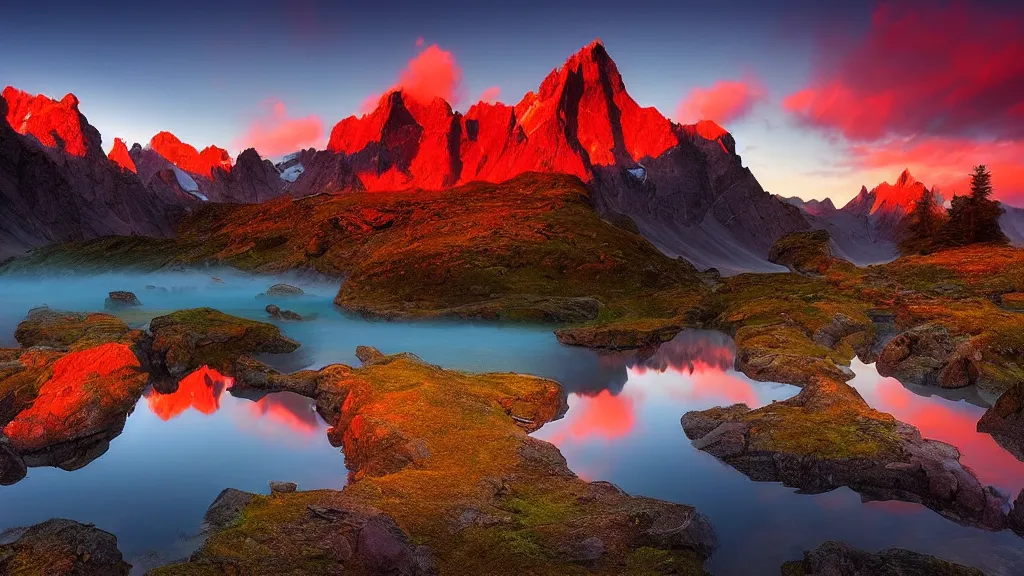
x: 178, y: 451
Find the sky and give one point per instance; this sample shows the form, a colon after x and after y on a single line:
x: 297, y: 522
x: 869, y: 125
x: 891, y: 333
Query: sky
x: 822, y: 97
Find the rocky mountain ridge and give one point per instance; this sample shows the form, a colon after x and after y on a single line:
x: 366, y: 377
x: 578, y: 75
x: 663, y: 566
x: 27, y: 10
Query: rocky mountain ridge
x: 56, y: 185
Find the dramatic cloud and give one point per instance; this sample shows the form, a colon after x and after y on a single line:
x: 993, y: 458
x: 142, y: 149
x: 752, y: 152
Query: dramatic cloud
x: 951, y: 72
x: 724, y: 102
x: 278, y: 134
x: 936, y: 89
x: 433, y: 73
x: 490, y: 94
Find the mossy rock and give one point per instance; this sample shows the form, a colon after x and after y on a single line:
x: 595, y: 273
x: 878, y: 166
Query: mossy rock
x: 839, y: 559
x: 65, y: 330
x: 61, y: 547
x: 189, y: 339
x: 805, y: 251
x: 446, y: 455
x: 827, y: 436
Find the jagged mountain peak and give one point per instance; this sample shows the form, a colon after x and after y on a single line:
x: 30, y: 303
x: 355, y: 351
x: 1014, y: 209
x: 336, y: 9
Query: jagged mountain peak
x: 188, y: 158
x: 54, y: 123
x: 119, y: 155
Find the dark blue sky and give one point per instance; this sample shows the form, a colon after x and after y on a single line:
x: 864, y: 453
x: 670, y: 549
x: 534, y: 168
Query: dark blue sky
x: 206, y: 70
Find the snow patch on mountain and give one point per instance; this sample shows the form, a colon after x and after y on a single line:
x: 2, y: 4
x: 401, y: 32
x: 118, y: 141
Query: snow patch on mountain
x: 187, y: 183
x: 292, y: 173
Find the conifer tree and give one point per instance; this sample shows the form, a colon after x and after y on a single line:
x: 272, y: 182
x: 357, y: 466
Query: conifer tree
x: 923, y: 225
x: 974, y: 219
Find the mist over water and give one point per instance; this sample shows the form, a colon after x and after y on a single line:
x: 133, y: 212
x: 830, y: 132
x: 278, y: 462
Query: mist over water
x: 178, y: 451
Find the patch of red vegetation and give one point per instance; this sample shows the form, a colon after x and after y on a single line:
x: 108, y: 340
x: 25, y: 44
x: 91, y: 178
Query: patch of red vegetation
x: 186, y: 157
x: 201, y: 390
x: 89, y: 392
x: 50, y: 121
x: 119, y: 155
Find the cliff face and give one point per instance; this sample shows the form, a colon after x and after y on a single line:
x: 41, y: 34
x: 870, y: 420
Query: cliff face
x: 56, y: 185
x: 684, y: 186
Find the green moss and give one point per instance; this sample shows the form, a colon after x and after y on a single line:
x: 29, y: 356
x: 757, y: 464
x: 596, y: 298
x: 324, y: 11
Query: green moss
x: 648, y: 561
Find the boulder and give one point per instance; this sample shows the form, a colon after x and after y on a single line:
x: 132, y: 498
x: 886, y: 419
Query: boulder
x: 120, y: 300
x: 929, y: 355
x: 63, y: 330
x: 840, y: 327
x: 188, y: 339
x: 275, y: 312
x: 62, y: 547
x: 803, y: 251
x: 283, y: 487
x: 284, y: 290
x: 1005, y: 421
x: 12, y: 467
x: 840, y: 559
x: 1016, y: 518
x: 226, y: 508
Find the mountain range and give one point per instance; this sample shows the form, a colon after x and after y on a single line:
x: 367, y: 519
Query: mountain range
x: 682, y: 186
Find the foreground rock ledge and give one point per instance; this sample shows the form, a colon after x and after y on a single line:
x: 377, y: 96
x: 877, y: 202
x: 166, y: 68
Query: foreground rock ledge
x: 445, y: 480
x: 839, y: 559
x: 827, y: 436
x: 61, y: 547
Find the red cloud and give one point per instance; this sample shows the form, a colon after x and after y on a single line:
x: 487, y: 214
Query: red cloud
x: 945, y: 72
x: 490, y: 94
x: 725, y: 101
x: 433, y: 73
x: 935, y: 90
x: 278, y: 134
x: 419, y: 41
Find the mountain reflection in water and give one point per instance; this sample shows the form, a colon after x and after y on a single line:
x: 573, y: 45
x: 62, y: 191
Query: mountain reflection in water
x: 201, y: 391
x: 629, y: 433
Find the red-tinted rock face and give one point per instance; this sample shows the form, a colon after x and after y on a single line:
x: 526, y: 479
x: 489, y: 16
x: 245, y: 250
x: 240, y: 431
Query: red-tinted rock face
x: 119, y: 155
x: 186, y: 157
x: 54, y: 123
x: 90, y: 392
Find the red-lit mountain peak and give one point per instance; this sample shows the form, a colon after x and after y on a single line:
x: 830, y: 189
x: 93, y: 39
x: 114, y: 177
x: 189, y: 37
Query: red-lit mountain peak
x: 585, y: 104
x: 187, y: 158
x: 903, y: 194
x: 50, y: 121
x: 119, y: 155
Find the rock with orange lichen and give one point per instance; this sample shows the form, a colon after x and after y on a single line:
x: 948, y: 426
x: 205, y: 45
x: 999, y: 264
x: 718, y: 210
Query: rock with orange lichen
x: 188, y: 339
x: 444, y: 459
x: 827, y: 436
x: 62, y: 547
x: 88, y: 393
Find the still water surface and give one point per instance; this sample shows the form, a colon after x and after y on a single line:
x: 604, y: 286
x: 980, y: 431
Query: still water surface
x: 179, y: 450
